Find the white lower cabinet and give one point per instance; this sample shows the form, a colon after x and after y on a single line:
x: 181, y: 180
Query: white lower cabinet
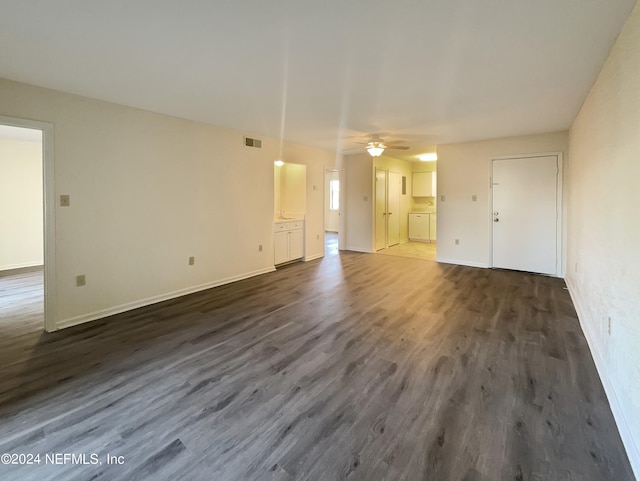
x: 281, y: 247
x: 288, y: 242
x: 419, y: 227
x: 296, y: 246
x: 422, y: 227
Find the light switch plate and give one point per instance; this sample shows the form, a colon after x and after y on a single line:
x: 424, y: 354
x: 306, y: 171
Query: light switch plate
x: 65, y: 200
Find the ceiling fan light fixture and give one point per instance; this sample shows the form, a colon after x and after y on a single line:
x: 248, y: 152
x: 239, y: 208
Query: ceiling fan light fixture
x: 375, y: 149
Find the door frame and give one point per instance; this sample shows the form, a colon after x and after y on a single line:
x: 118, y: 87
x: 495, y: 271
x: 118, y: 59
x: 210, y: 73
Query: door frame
x: 48, y: 198
x: 375, y: 209
x: 559, y: 205
x: 397, y: 214
x: 326, y: 198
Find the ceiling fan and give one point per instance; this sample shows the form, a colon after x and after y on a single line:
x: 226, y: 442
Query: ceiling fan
x: 376, y: 145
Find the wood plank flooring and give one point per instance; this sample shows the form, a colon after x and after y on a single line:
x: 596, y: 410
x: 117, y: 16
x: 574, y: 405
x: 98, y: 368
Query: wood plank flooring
x: 412, y: 249
x: 356, y: 366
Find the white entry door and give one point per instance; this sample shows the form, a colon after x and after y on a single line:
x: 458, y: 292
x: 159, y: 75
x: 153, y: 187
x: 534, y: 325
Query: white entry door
x: 381, y: 209
x: 526, y: 209
x: 393, y: 208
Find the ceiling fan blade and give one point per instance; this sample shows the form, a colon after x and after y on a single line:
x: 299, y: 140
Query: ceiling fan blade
x: 398, y: 147
x: 391, y: 142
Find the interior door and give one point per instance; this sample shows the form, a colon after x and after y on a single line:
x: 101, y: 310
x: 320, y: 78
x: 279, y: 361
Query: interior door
x: 381, y: 209
x: 525, y: 214
x: 393, y: 208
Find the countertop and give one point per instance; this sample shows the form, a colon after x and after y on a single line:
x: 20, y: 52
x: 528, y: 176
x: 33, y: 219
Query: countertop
x: 282, y: 220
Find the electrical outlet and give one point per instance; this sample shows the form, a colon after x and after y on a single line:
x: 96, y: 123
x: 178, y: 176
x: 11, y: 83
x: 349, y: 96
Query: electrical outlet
x: 317, y: 236
x: 457, y: 241
x: 609, y: 325
x: 260, y: 248
x: 192, y: 260
x: 442, y: 198
x: 576, y: 267
x: 81, y: 280
x: 474, y: 198
x: 65, y: 200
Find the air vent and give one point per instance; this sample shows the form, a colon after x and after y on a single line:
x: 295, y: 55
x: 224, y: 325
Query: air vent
x: 249, y: 142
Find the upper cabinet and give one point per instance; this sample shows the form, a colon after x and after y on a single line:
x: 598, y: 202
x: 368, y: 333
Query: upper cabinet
x: 424, y: 184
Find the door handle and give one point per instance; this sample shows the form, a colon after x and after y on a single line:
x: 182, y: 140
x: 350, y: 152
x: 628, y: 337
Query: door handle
x: 495, y: 219
x: 495, y: 213
x: 390, y: 213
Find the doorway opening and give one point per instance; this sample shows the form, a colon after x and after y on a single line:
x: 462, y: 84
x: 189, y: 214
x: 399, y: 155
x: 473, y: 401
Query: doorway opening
x: 26, y: 223
x: 423, y: 215
x: 331, y: 211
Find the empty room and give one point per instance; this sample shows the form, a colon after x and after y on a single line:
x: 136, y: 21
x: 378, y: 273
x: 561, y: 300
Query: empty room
x: 320, y: 240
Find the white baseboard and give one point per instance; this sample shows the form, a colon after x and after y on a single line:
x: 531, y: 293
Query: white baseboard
x: 359, y: 249
x: 21, y: 265
x: 74, y: 321
x: 461, y: 263
x: 618, y: 414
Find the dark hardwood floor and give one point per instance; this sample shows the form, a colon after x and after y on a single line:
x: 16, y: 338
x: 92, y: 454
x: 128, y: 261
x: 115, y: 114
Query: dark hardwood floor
x: 356, y: 366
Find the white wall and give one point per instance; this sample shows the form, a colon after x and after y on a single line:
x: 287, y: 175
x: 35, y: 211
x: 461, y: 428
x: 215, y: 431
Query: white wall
x: 148, y: 191
x: 21, y: 242
x: 603, y: 268
x: 357, y: 213
x: 463, y: 171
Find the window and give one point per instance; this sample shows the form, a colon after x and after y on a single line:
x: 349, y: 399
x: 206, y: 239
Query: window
x: 334, y: 194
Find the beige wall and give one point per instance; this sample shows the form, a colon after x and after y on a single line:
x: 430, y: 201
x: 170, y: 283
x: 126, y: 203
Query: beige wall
x: 316, y: 161
x: 603, y: 268
x: 463, y: 171
x: 357, y: 214
x: 277, y: 190
x: 148, y: 191
x: 293, y: 186
x: 21, y: 208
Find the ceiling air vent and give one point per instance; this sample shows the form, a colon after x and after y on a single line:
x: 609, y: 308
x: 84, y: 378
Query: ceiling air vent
x: 249, y: 142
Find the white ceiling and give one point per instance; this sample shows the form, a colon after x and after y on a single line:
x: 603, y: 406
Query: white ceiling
x: 320, y: 73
